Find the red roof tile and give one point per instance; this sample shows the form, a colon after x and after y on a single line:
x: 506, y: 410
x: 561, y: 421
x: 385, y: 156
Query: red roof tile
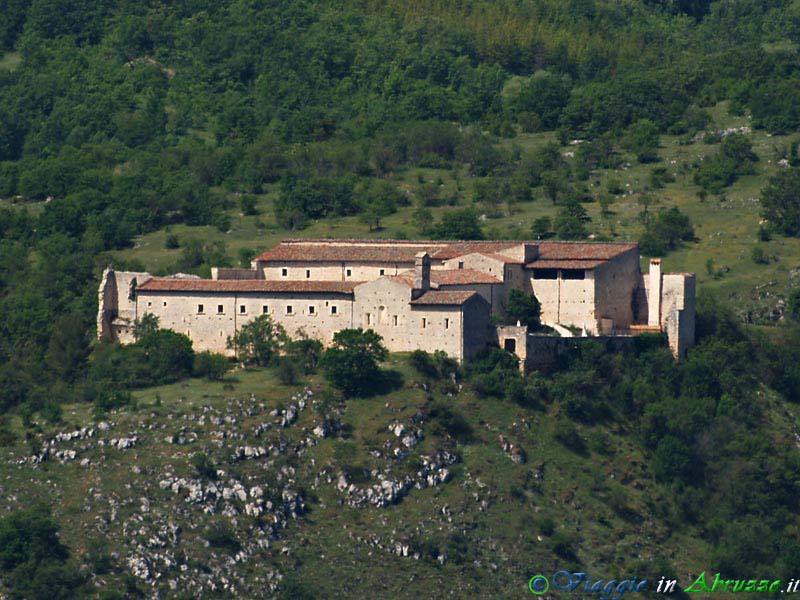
x: 167, y: 284
x: 437, y: 297
x: 404, y: 251
x: 461, y: 277
x: 582, y: 250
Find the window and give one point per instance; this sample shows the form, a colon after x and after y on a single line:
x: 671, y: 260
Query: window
x: 573, y: 274
x: 460, y: 265
x: 149, y: 303
x: 382, y: 271
x: 308, y: 273
x: 394, y: 320
x: 288, y: 309
x: 242, y: 309
x: 165, y: 303
x: 220, y: 309
x: 545, y: 273
x: 200, y: 309
x: 510, y: 345
x: 424, y: 322
x: 334, y: 310
x: 311, y: 310
x: 349, y: 272
x: 447, y: 323
x: 264, y: 309
x: 368, y: 319
x: 284, y: 272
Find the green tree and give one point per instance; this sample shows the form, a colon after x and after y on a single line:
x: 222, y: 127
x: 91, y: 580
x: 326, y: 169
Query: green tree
x: 211, y: 365
x: 524, y: 308
x: 780, y: 201
x: 459, y: 225
x: 259, y: 341
x: 351, y: 364
x: 642, y: 139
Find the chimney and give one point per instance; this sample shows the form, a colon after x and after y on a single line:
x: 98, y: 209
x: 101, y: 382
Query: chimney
x: 422, y: 271
x: 654, y: 293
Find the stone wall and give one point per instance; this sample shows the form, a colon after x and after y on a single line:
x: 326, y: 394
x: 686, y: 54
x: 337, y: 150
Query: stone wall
x: 116, y: 306
x: 567, y: 301
x: 332, y: 271
x: 237, y: 274
x: 319, y: 315
x: 383, y: 305
x: 615, y: 285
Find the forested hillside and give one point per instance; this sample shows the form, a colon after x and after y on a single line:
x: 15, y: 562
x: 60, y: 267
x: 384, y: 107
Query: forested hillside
x: 181, y: 135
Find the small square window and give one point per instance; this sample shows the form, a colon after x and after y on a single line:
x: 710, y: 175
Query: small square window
x: 220, y: 308
x: 200, y: 309
x: 308, y: 273
x: 334, y: 310
x: 264, y: 309
x: 284, y: 272
x: 149, y: 304
x: 288, y: 309
x: 349, y: 272
x: 460, y: 265
x: 242, y: 309
x: 383, y: 272
x: 311, y: 310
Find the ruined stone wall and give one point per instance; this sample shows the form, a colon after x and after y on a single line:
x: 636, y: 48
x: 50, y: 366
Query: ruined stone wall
x: 615, y: 285
x: 116, y: 306
x: 544, y: 352
x: 678, y: 311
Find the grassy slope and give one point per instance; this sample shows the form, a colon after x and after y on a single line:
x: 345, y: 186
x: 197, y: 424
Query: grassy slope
x: 726, y: 227
x: 606, y: 503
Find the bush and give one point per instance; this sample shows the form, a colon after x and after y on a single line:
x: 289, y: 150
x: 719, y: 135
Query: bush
x: 222, y: 537
x: 211, y: 365
x: 287, y: 371
x: 204, y: 466
x: 304, y: 353
x: 566, y: 433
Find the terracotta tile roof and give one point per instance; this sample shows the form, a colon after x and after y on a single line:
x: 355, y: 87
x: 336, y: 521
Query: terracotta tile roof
x: 461, y: 277
x: 565, y: 264
x: 403, y: 251
x: 168, y: 284
x: 323, y: 251
x: 582, y: 250
x: 438, y: 297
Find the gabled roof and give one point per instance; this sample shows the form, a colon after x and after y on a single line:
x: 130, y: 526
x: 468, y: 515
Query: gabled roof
x: 404, y: 251
x: 461, y: 277
x: 168, y: 284
x: 444, y: 298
